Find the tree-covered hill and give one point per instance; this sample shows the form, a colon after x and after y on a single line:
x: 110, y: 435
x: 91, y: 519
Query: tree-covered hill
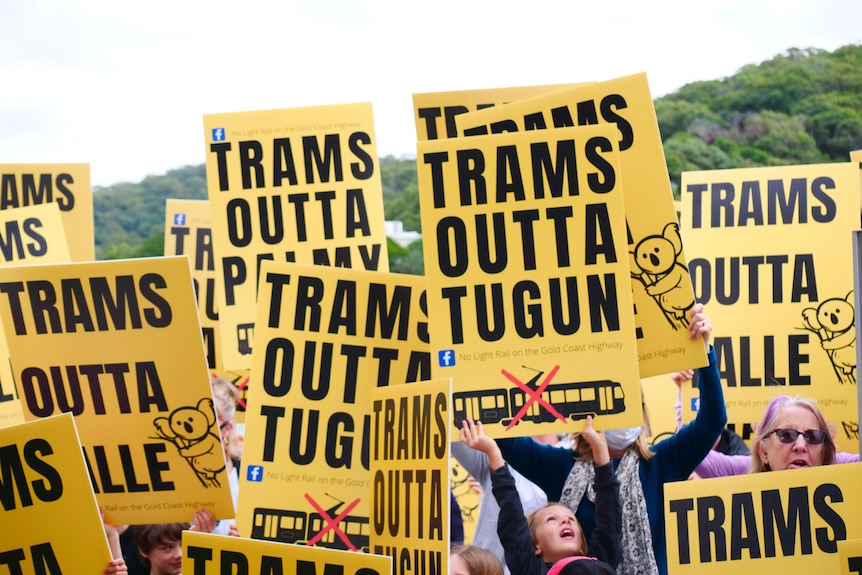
x: 801, y: 107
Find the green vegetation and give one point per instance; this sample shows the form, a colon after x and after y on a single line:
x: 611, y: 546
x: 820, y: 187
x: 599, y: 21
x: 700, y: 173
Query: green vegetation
x: 801, y: 107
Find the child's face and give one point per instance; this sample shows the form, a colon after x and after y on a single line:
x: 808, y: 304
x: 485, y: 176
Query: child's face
x: 457, y: 566
x: 558, y: 534
x: 166, y: 558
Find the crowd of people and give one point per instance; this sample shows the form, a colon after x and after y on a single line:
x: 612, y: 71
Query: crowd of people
x: 594, y: 505
x: 157, y: 549
x: 615, y: 469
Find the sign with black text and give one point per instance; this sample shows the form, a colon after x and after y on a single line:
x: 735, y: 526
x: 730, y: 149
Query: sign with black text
x: 409, y: 475
x: 68, y: 186
x: 43, y: 482
x: 779, y: 520
x: 205, y: 553
x: 293, y: 185
x: 528, y: 279
x: 771, y: 257
x: 659, y: 274
x: 326, y: 338
x: 118, y: 344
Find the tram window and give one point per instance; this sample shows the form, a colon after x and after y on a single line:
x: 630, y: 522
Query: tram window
x: 572, y: 395
x: 588, y: 394
x: 618, y: 392
x: 556, y: 397
x: 459, y: 404
x: 489, y: 401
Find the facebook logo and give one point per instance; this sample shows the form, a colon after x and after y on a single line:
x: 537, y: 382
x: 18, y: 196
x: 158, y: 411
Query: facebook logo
x: 254, y: 473
x: 446, y: 357
x: 218, y: 134
x: 179, y: 219
x: 695, y: 404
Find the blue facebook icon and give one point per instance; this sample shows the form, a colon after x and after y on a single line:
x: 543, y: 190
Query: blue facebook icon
x: 218, y: 134
x: 179, y: 219
x: 446, y: 357
x: 255, y: 473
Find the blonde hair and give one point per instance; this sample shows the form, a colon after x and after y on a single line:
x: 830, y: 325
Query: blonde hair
x: 770, y: 421
x: 479, y: 561
x: 533, y: 519
x: 225, y: 396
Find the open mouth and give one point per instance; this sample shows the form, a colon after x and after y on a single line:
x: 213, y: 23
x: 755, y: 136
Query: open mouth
x: 797, y: 463
x: 567, y: 533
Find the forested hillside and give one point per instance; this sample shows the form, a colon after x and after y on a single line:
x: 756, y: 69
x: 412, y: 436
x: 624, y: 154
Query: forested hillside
x: 801, y: 107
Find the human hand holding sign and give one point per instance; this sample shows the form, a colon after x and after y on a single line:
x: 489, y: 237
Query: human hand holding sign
x: 699, y: 326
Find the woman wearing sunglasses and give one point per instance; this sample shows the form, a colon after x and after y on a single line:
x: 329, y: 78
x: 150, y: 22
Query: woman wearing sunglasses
x: 792, y: 435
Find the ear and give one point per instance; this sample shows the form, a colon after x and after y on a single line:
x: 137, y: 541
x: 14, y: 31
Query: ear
x: 538, y: 551
x: 633, y: 262
x: 762, y: 452
x: 206, y: 407
x: 671, y: 234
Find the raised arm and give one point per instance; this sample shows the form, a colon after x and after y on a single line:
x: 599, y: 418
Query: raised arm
x: 693, y: 442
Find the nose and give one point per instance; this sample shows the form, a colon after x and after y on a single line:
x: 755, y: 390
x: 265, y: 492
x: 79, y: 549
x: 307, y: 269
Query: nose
x: 800, y: 442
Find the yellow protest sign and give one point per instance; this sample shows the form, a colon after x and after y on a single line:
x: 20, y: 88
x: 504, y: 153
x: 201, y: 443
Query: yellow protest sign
x: 293, y: 185
x: 467, y: 497
x: 409, y: 471
x: 790, y: 520
x: 32, y: 235
x: 188, y: 231
x: 850, y: 556
x: 44, y: 483
x: 770, y: 254
x: 206, y: 553
x: 527, y: 271
x: 67, y: 185
x: 326, y: 337
x: 126, y: 359
x: 28, y: 235
x: 434, y: 112
x: 660, y: 284
x: 856, y: 156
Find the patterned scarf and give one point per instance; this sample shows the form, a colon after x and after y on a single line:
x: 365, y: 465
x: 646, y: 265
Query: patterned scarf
x: 638, y: 557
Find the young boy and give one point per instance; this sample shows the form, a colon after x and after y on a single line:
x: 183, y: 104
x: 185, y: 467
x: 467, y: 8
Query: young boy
x: 532, y: 545
x: 161, y: 547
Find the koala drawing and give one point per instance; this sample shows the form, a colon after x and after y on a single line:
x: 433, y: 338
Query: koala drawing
x: 654, y: 263
x: 188, y: 428
x: 834, y: 322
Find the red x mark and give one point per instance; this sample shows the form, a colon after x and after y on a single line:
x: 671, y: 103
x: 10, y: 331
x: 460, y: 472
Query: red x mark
x: 241, y: 387
x: 331, y: 524
x: 533, y: 396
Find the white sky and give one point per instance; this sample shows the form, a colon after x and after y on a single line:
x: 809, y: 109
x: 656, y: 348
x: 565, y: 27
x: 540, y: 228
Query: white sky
x: 124, y: 86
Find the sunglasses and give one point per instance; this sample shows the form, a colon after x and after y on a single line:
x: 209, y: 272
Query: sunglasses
x: 811, y: 436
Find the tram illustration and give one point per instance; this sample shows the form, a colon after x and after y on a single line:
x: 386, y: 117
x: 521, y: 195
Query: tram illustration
x: 288, y: 526
x: 575, y: 401
x: 245, y: 337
